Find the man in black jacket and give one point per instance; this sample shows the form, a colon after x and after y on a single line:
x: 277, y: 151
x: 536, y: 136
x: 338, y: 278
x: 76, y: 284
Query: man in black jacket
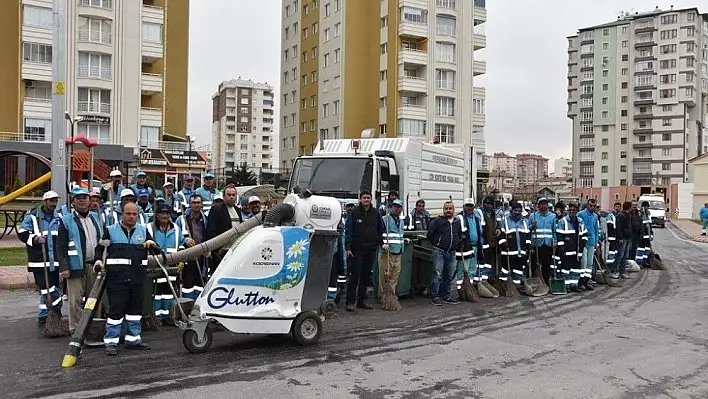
x: 623, y: 232
x: 222, y: 217
x: 364, y: 229
x: 445, y: 233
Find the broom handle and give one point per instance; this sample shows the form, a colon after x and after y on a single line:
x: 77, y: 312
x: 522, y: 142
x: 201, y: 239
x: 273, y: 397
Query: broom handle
x: 48, y: 298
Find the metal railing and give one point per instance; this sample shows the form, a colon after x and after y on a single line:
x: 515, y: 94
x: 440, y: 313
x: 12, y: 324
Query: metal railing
x: 156, y: 8
x: 94, y: 107
x: 38, y: 99
x: 165, y: 145
x: 105, y: 4
x: 409, y: 77
x: 86, y: 71
x: 446, y: 4
x: 445, y: 30
x: 445, y: 85
x: 26, y: 136
x: 92, y: 36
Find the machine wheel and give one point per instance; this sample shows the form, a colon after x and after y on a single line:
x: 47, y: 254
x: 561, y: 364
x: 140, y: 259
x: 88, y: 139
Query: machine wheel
x: 307, y: 328
x: 328, y: 308
x: 192, y: 343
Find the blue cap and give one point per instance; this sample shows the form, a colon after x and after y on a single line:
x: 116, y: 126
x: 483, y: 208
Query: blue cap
x: 78, y: 191
x: 143, y: 192
x: 208, y: 175
x: 398, y: 202
x: 140, y: 174
x: 542, y: 200
x: 160, y: 199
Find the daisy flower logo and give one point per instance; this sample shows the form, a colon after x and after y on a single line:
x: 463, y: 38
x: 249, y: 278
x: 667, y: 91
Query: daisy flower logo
x: 297, y: 248
x: 294, y: 266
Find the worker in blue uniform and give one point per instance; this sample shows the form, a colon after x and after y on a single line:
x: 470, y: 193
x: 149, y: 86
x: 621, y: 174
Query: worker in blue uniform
x: 594, y: 236
x: 208, y: 192
x: 145, y: 206
x: 168, y: 237
x: 112, y: 190
x: 571, y: 236
x: 185, y: 193
x: 141, y: 184
x: 515, y: 244
x: 390, y: 254
x: 38, y: 231
x: 127, y: 245
x: 471, y: 249
x: 543, y: 232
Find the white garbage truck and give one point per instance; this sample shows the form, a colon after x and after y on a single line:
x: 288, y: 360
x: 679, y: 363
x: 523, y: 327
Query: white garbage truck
x: 342, y: 168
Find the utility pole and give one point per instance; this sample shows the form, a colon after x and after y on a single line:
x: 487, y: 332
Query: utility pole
x: 58, y: 155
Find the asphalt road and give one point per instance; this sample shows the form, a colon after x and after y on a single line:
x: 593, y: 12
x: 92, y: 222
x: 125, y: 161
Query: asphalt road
x: 645, y: 340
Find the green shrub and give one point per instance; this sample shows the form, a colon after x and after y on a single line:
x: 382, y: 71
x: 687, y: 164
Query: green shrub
x: 7, y: 190
x: 17, y: 183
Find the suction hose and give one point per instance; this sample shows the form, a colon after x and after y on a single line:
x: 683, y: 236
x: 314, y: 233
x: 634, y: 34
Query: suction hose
x: 211, y: 245
x: 279, y: 214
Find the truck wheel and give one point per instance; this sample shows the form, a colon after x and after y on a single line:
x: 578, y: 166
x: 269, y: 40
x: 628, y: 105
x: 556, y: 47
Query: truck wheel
x: 328, y: 308
x: 191, y: 342
x: 307, y: 328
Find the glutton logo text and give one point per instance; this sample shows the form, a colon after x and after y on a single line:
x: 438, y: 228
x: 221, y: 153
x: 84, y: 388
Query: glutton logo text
x: 221, y: 297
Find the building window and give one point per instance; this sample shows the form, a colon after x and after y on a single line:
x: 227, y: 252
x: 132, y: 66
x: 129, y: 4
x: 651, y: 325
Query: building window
x: 445, y: 52
x: 623, y: 168
x: 149, y: 136
x: 383, y: 129
x: 605, y: 155
x: 478, y: 106
x: 38, y: 91
x: 37, y: 17
x: 623, y: 126
x: 94, y: 101
x: 92, y: 65
x: 98, y: 132
x: 603, y: 182
x: 335, y: 107
x: 445, y: 106
x: 35, y: 52
x: 337, y: 56
x: 666, y: 137
x: 327, y: 34
x: 38, y: 130
x: 337, y: 29
x: 445, y: 133
x: 666, y: 152
x: 445, y: 79
x: 445, y: 25
x: 414, y: 15
x: 605, y: 141
x: 152, y: 32
x: 95, y: 30
x: 623, y: 182
x: 623, y: 154
x: 411, y: 127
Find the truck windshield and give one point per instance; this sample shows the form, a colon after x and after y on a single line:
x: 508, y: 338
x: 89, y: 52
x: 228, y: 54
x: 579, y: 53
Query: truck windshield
x: 657, y: 205
x: 338, y: 177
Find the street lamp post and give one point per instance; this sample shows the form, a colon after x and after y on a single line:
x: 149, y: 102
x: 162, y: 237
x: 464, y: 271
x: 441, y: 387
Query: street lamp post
x: 72, y: 122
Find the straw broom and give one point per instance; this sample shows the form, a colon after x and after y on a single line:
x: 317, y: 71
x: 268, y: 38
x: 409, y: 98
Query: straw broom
x: 389, y: 300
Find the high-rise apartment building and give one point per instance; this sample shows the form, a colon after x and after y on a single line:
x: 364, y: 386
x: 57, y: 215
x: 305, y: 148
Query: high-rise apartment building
x: 638, y: 98
x: 404, y: 68
x: 126, y: 66
x: 503, y: 163
x: 242, y: 125
x: 563, y: 167
x: 531, y: 168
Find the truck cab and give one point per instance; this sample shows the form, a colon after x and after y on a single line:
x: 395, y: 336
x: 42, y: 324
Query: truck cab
x: 345, y: 176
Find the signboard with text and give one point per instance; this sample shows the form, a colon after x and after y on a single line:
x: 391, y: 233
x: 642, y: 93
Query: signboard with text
x: 152, y: 158
x: 183, y: 159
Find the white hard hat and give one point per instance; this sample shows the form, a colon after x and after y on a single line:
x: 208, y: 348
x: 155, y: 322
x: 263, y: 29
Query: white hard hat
x: 168, y: 183
x: 468, y: 201
x: 127, y: 193
x: 218, y: 197
x: 253, y: 199
x: 115, y: 172
x: 50, y: 195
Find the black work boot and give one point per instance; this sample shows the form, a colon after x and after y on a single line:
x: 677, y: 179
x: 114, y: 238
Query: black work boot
x: 350, y: 307
x: 588, y: 286
x: 363, y: 305
x: 111, y: 351
x: 139, y: 347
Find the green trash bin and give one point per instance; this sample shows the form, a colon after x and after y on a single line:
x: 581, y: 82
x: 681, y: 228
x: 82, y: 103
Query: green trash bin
x: 422, y: 264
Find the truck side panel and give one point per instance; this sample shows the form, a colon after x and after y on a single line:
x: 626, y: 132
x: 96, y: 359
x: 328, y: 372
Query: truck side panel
x: 442, y: 176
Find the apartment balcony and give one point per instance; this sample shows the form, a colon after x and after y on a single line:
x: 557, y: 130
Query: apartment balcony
x: 479, y: 119
x: 642, y: 145
x: 153, y: 14
x: 37, y: 33
x: 480, y: 12
x: 412, y: 111
x: 479, y: 67
x: 25, y: 137
x: 95, y: 8
x: 650, y: 42
x: 413, y: 29
x: 150, y: 116
x: 37, y: 108
x: 93, y: 108
x: 150, y: 83
x: 645, y: 27
x: 643, y: 130
x: 447, y: 6
x: 413, y: 56
x: 479, y: 93
x: 479, y: 41
x: 644, y: 101
x: 166, y: 145
x: 643, y: 115
x: 94, y: 37
x: 94, y: 76
x: 41, y: 71
x: 412, y: 84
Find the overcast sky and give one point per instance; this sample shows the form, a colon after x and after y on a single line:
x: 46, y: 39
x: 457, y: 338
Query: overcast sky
x: 526, y: 61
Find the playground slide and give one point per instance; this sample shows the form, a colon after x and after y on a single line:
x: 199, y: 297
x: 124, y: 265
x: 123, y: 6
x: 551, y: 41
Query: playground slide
x: 26, y: 189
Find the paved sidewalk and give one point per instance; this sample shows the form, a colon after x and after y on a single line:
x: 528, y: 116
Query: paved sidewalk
x: 15, y: 277
x: 11, y: 241
x: 690, y: 229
